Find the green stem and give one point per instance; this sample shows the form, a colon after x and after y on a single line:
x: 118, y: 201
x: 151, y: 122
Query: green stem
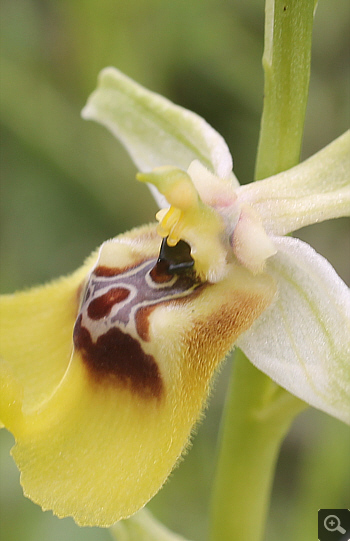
x: 286, y: 61
x: 257, y: 417
x: 142, y: 527
x: 258, y: 412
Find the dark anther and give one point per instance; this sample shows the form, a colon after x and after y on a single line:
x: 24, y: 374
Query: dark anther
x: 177, y: 259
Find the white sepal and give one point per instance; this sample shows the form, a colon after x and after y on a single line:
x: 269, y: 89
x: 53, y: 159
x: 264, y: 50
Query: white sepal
x: 313, y: 191
x: 154, y: 130
x: 302, y: 341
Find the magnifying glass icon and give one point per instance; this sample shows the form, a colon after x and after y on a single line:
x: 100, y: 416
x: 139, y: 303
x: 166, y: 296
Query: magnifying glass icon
x: 332, y: 524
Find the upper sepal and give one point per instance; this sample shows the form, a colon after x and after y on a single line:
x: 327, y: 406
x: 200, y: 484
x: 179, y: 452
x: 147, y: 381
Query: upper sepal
x: 154, y: 130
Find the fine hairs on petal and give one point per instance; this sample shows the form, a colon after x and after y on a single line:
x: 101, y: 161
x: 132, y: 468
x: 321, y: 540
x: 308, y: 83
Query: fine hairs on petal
x: 146, y: 347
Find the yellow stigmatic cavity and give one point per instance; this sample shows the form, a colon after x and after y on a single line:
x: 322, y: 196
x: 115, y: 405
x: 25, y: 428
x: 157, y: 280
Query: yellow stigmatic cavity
x: 189, y: 219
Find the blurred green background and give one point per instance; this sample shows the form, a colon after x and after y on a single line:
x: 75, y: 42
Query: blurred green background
x: 67, y: 185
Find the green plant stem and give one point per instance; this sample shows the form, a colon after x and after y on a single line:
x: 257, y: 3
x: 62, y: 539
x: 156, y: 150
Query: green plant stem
x: 258, y: 412
x: 286, y: 62
x: 257, y: 417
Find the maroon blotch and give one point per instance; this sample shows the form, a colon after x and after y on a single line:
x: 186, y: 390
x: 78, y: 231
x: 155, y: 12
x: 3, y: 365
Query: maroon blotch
x: 118, y: 358
x: 101, y: 306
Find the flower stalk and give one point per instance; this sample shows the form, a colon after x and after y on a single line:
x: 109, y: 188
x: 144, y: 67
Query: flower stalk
x: 257, y: 417
x: 258, y: 412
x: 286, y: 62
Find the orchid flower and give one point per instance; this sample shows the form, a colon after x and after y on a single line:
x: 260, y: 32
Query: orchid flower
x: 106, y: 372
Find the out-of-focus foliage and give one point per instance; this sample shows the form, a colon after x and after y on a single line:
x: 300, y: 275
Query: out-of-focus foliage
x: 67, y: 185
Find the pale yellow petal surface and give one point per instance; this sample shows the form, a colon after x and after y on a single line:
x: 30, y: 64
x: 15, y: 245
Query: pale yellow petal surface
x: 101, y: 447
x: 36, y: 334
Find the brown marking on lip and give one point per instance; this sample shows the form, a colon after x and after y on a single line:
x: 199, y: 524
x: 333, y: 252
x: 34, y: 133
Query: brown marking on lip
x: 212, y: 337
x: 160, y: 274
x: 142, y: 321
x: 142, y: 315
x: 104, y: 271
x: 101, y: 306
x: 117, y: 358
